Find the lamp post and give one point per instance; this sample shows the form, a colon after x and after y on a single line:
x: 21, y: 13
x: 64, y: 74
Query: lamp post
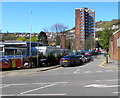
x: 38, y: 52
x: 30, y: 33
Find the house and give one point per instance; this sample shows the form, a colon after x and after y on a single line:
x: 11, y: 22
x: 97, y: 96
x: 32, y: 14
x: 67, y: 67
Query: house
x: 115, y: 47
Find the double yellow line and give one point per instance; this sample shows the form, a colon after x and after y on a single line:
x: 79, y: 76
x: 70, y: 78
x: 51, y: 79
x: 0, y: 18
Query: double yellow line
x: 104, y: 62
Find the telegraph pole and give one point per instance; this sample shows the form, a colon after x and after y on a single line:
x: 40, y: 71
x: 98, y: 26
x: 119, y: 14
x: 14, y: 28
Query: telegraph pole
x: 30, y: 32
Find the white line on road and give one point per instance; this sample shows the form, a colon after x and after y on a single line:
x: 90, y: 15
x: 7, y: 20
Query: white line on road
x: 116, y: 92
x: 101, y: 86
x: 42, y: 87
x: 109, y: 80
x: 4, y: 86
x: 76, y: 71
x: 39, y: 88
x: 87, y: 72
x: 109, y: 70
x: 61, y: 94
x: 30, y: 83
x: 99, y: 71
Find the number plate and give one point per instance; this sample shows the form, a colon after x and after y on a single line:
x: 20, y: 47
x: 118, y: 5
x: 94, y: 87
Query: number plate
x: 64, y: 60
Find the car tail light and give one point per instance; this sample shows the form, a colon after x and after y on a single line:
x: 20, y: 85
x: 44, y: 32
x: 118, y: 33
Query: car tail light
x: 61, y: 60
x: 69, y: 60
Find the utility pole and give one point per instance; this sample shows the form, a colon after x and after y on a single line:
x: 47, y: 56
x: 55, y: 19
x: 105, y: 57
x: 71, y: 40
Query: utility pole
x: 30, y: 32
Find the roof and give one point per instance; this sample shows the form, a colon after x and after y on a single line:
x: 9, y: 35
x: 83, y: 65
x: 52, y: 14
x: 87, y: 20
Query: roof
x: 116, y: 32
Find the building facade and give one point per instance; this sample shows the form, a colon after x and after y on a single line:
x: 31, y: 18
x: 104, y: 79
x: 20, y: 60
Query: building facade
x: 84, y: 28
x: 115, y: 47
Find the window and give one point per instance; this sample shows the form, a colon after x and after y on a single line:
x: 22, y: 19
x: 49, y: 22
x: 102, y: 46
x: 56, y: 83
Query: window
x: 118, y: 42
x: 1, y: 48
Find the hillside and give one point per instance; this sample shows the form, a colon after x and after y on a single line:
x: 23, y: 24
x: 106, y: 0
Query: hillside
x: 99, y: 24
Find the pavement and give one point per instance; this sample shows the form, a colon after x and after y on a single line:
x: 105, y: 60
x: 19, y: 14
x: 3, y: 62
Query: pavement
x: 107, y: 64
x: 26, y: 71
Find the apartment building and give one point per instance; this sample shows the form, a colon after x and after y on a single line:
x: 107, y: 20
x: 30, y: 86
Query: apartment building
x: 84, y: 28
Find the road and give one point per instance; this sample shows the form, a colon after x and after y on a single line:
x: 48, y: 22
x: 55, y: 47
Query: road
x: 90, y: 79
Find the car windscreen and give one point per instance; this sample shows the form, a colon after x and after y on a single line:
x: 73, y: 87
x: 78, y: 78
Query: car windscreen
x: 68, y: 56
x: 79, y: 56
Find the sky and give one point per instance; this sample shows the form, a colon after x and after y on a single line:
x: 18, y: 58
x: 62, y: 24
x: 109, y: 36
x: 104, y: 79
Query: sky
x: 16, y: 15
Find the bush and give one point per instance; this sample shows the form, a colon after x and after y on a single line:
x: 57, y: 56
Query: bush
x: 58, y: 57
x: 51, y: 59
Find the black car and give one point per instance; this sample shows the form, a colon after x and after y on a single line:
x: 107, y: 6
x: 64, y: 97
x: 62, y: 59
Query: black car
x: 88, y: 57
x: 69, y: 60
x: 82, y: 58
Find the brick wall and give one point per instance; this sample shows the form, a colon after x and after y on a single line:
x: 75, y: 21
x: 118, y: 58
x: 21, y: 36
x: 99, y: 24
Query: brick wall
x: 114, y: 48
x: 63, y: 41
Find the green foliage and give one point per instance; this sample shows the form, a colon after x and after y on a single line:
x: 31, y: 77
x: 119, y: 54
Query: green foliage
x: 21, y: 38
x: 33, y: 39
x: 104, y: 38
x: 58, y: 57
x: 42, y: 37
x: 57, y: 39
x: 51, y: 59
x: 68, y: 46
x: 107, y: 25
x: 8, y: 36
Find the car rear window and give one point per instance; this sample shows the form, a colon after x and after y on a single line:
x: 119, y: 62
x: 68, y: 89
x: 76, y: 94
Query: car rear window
x: 68, y: 56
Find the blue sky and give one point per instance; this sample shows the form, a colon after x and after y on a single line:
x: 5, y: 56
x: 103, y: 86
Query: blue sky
x: 16, y: 15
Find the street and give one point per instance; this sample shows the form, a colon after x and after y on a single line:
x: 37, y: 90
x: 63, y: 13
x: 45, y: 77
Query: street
x: 89, y: 79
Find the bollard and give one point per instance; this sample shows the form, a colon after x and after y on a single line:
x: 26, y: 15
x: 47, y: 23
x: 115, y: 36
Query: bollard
x: 107, y: 57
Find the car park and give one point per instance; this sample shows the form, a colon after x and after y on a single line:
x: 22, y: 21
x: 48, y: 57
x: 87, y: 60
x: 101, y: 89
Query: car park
x: 69, y: 60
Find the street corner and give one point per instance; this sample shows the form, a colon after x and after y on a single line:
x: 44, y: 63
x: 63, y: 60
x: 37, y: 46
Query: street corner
x: 106, y: 64
x: 110, y: 65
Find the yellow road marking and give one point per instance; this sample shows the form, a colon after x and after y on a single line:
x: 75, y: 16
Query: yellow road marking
x: 102, y: 64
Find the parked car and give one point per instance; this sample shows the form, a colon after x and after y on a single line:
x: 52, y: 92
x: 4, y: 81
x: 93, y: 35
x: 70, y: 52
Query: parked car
x: 69, y: 60
x: 99, y: 52
x: 88, y: 57
x: 82, y: 58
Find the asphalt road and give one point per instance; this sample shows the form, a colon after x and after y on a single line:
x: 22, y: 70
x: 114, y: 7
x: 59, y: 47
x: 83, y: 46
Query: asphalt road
x: 90, y: 79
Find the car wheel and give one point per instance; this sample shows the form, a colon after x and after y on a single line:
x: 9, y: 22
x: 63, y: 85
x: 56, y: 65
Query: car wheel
x: 62, y: 65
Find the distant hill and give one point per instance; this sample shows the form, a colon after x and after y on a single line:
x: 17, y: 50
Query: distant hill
x: 99, y: 24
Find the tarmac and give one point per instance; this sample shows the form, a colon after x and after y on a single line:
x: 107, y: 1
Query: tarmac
x: 26, y: 71
x: 107, y: 62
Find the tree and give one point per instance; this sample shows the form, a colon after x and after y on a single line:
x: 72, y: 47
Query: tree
x: 21, y: 38
x: 34, y: 39
x: 58, y: 28
x: 104, y: 38
x: 8, y: 36
x: 42, y: 37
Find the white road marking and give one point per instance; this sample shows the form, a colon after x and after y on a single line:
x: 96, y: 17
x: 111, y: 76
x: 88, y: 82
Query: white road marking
x: 87, y: 72
x: 61, y: 94
x: 116, y: 92
x: 42, y: 87
x: 5, y: 86
x: 101, y: 86
x: 76, y: 71
x: 99, y: 71
x: 108, y: 80
x: 32, y: 83
x: 39, y: 88
x: 109, y: 70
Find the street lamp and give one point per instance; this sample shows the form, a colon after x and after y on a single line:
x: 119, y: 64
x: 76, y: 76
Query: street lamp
x: 37, y: 52
x: 30, y: 32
